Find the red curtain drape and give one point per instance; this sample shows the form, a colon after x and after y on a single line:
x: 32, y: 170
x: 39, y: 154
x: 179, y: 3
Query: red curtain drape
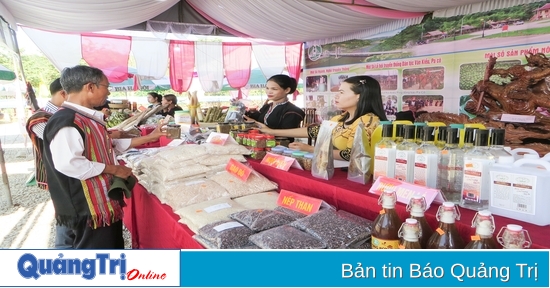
x: 182, y: 64
x: 237, y: 64
x: 293, y: 59
x: 109, y: 53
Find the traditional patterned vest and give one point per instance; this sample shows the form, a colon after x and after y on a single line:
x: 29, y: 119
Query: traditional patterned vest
x: 75, y: 199
x: 40, y: 116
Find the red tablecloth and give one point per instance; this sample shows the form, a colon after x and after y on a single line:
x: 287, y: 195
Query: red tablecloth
x: 154, y: 225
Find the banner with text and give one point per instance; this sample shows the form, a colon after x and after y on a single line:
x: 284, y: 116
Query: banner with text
x: 430, y: 66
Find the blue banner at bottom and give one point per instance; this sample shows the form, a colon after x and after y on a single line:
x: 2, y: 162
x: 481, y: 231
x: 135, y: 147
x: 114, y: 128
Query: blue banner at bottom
x: 364, y: 268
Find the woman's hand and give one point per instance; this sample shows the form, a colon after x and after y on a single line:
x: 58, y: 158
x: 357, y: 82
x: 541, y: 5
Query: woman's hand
x: 157, y: 133
x: 301, y: 146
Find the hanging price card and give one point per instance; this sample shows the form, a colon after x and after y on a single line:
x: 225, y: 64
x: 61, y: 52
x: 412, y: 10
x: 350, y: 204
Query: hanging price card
x: 238, y: 169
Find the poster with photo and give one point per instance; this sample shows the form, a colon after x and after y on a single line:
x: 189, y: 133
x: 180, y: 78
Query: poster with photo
x: 428, y: 103
x: 316, y: 83
x: 441, y: 58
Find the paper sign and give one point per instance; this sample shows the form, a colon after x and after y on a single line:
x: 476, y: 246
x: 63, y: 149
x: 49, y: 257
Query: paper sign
x: 299, y: 203
x: 277, y: 161
x: 280, y: 162
x: 517, y: 118
x: 405, y: 191
x: 238, y: 169
x: 220, y: 139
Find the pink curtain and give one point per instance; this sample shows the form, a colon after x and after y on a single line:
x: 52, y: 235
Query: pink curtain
x: 182, y: 64
x: 236, y: 63
x: 293, y: 59
x: 109, y: 53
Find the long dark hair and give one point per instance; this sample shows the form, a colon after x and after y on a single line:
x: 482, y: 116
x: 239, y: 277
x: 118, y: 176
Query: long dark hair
x: 284, y: 81
x: 370, y: 98
x: 157, y: 96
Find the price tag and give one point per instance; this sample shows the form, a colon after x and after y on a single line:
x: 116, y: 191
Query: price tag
x: 238, y: 169
x: 475, y: 238
x: 278, y: 161
x: 440, y: 231
x: 517, y: 118
x: 298, y: 202
x: 405, y: 191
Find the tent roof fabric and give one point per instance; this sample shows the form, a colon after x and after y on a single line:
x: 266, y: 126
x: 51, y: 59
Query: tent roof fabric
x: 276, y: 20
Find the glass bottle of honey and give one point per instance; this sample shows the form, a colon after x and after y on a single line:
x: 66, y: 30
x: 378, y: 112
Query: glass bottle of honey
x: 409, y: 234
x: 417, y: 207
x: 386, y: 226
x: 485, y: 227
x: 446, y: 236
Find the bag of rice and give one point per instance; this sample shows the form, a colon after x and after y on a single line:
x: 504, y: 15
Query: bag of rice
x: 215, y: 160
x: 286, y: 237
x: 226, y: 234
x: 256, y: 183
x: 193, y: 192
x: 266, y: 200
x: 260, y: 219
x: 198, y: 215
x: 336, y: 230
x: 227, y: 149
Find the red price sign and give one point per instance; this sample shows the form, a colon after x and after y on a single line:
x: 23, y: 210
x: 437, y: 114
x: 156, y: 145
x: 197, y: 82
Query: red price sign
x: 238, y: 169
x: 277, y: 161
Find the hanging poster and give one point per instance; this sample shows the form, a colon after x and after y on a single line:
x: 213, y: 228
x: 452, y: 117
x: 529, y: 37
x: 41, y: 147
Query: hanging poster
x: 430, y: 66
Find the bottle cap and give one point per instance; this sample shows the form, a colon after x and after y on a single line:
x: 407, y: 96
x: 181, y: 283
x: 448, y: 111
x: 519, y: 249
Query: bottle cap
x: 505, y: 160
x: 442, y: 134
x: 453, y: 136
x: 485, y: 213
x: 387, y: 130
x: 514, y: 227
x: 399, y: 130
x: 497, y: 136
x: 448, y: 204
x: 420, y: 124
x: 429, y: 133
x: 469, y: 135
x: 411, y: 221
x: 385, y: 123
x: 408, y: 131
x: 482, y: 138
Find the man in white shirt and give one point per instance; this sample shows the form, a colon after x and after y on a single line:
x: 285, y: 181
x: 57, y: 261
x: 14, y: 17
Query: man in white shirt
x: 80, y: 161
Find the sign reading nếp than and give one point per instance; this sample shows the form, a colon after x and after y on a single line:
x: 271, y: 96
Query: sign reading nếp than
x: 299, y: 203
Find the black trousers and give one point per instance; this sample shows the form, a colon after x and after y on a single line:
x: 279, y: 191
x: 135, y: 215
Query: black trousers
x: 108, y: 237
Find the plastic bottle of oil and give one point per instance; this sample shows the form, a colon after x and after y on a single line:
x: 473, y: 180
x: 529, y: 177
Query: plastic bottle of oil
x: 449, y: 172
x: 385, y: 232
x: 426, y: 160
x: 409, y: 234
x: 485, y: 227
x: 384, y: 154
x: 476, y: 182
x: 446, y: 236
x: 404, y: 156
x: 417, y: 206
x: 469, y: 136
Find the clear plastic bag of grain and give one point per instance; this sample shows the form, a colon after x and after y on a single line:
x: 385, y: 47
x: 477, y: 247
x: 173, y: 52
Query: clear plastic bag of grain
x: 265, y: 200
x: 226, y: 234
x: 216, y: 160
x: 336, y: 230
x: 205, y: 243
x: 201, y: 214
x: 256, y: 183
x: 261, y: 219
x: 286, y: 237
x: 291, y: 213
x: 323, y: 158
x: 227, y: 149
x: 192, y: 192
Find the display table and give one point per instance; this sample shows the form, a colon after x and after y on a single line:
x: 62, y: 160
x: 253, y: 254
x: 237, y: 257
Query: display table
x: 154, y: 225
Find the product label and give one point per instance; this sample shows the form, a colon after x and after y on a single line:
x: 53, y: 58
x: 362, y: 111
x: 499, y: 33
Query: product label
x: 216, y: 207
x: 420, y: 169
x: 380, y: 162
x: 402, y: 161
x: 238, y: 169
x: 472, y: 181
x: 299, y: 203
x: 384, y: 244
x: 228, y: 225
x: 513, y: 192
